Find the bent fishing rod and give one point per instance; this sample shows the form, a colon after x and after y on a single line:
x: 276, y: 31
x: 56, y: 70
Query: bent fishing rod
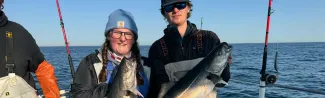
x: 65, y: 40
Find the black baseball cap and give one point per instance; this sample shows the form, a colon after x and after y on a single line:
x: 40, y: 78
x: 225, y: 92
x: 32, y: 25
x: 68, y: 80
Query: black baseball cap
x: 167, y: 2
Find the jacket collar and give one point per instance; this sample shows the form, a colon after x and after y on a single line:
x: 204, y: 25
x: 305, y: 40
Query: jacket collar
x: 173, y: 30
x: 3, y: 19
x: 112, y: 57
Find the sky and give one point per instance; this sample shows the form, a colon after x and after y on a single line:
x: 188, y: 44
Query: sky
x: 234, y: 21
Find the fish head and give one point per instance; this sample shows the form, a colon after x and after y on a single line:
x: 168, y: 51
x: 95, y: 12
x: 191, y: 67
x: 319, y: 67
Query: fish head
x: 129, y: 73
x: 226, y: 49
x: 129, y: 76
x: 222, y: 53
x: 130, y: 67
x: 220, y: 58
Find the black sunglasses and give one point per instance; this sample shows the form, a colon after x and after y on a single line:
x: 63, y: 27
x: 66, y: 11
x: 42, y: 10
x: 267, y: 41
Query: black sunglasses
x: 179, y: 6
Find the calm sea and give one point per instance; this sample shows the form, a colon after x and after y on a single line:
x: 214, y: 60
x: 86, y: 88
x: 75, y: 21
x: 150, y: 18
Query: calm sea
x: 300, y: 65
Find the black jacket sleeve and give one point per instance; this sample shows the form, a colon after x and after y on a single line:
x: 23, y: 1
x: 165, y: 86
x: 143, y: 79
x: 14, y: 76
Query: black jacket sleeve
x: 85, y: 81
x: 226, y: 72
x: 158, y: 74
x: 26, y: 44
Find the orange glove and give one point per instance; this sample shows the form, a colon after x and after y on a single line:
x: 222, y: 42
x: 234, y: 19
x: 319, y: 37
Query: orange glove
x: 47, y: 80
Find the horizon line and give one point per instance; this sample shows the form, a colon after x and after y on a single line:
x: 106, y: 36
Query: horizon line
x: 150, y: 45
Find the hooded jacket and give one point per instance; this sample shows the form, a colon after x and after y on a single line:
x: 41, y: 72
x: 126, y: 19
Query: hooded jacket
x: 174, y: 48
x: 27, y: 58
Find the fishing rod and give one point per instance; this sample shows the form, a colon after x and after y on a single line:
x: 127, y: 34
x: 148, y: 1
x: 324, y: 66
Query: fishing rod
x: 201, y: 22
x: 62, y: 92
x: 266, y: 78
x: 66, y: 40
x: 269, y: 79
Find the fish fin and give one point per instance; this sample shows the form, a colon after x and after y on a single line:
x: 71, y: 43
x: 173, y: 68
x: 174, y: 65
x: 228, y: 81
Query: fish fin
x: 217, y: 80
x: 221, y: 84
x: 165, y: 87
x: 136, y: 92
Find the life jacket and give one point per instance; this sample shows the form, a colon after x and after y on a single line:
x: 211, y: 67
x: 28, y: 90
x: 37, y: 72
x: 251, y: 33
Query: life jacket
x: 14, y: 86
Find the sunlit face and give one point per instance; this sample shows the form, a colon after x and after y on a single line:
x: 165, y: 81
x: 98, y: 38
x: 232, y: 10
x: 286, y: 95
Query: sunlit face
x: 176, y: 13
x: 121, y: 40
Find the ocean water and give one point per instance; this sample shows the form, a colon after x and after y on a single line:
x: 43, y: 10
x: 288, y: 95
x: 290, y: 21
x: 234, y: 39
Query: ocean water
x: 300, y: 65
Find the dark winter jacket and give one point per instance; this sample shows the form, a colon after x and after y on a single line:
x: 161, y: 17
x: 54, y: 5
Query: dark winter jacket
x: 26, y: 57
x: 173, y: 48
x: 86, y: 83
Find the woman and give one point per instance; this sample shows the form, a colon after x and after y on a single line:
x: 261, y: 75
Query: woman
x: 93, y: 74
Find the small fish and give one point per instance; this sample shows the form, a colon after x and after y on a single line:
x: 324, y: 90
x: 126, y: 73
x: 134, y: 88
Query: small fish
x: 124, y: 83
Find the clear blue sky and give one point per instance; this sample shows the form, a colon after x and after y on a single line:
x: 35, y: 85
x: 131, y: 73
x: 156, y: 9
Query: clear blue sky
x: 234, y: 21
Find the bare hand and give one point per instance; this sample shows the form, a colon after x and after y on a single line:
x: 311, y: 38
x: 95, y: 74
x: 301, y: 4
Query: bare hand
x: 230, y: 60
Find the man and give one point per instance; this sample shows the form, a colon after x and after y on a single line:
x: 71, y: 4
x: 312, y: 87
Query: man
x: 26, y: 57
x: 182, y: 41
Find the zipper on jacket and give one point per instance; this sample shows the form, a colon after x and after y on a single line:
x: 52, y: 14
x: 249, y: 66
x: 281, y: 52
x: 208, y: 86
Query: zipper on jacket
x: 182, y: 49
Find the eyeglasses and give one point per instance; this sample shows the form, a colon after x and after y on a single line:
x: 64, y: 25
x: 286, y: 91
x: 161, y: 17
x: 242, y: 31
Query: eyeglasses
x: 179, y: 6
x: 118, y: 34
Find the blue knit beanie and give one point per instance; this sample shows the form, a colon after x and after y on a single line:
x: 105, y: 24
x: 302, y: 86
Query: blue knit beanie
x: 121, y: 19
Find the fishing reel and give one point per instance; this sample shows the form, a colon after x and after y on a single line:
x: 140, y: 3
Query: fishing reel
x: 270, y: 79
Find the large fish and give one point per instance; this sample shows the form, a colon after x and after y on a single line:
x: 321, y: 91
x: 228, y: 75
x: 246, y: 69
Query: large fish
x: 124, y: 83
x: 201, y: 79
